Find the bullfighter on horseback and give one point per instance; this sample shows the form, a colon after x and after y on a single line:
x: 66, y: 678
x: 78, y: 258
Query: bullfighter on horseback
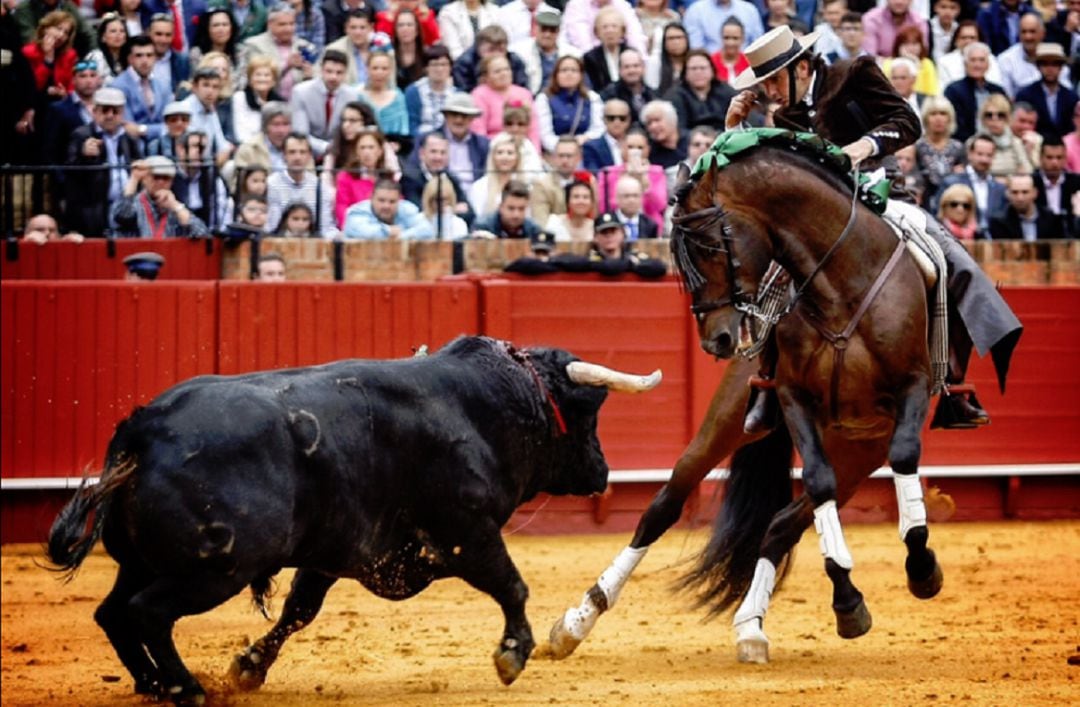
x: 853, y: 105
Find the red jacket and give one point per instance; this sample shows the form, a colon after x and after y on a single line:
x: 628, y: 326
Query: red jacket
x: 741, y: 64
x: 63, y: 67
x: 429, y: 27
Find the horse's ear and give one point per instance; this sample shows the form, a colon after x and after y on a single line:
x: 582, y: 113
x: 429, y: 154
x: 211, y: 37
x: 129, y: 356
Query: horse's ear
x: 682, y: 175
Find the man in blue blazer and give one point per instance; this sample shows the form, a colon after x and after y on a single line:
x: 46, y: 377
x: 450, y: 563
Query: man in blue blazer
x: 604, y: 151
x: 172, y: 66
x: 1053, y: 101
x: 962, y: 93
x: 146, y: 97
x: 990, y: 194
x: 999, y: 23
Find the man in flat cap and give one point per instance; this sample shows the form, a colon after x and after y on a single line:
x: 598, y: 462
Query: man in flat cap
x: 148, y: 207
x: 103, y: 144
x: 143, y: 266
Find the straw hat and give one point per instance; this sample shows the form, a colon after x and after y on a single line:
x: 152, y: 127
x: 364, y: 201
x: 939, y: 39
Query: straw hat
x: 771, y: 52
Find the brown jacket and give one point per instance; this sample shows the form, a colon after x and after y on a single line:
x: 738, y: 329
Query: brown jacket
x: 853, y: 99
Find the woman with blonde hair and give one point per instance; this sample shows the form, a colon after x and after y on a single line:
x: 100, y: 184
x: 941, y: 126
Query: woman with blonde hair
x: 937, y: 154
x: 51, y: 56
x: 517, y: 120
x: 383, y: 95
x: 437, y: 202
x: 1010, y: 154
x: 956, y: 211
x: 503, y: 165
x: 262, y: 77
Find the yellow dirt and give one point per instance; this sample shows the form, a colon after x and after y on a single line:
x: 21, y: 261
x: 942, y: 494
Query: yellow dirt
x: 1001, y: 633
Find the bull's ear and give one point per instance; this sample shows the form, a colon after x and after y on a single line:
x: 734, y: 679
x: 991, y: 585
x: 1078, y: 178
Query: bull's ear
x: 594, y: 374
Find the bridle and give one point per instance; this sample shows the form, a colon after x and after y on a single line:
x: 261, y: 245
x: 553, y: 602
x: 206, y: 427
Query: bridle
x: 709, y: 218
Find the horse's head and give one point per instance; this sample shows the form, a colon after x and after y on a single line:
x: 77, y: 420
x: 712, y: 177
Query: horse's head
x: 721, y: 256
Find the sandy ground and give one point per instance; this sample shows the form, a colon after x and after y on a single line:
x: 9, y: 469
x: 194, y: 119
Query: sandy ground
x: 1001, y: 633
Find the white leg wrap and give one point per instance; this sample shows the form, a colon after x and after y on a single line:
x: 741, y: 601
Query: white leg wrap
x: 614, y: 577
x: 756, y: 602
x: 909, y: 502
x: 827, y: 524
x: 580, y: 620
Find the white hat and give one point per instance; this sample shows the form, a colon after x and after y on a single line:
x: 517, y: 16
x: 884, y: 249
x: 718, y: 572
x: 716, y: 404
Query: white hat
x: 460, y: 103
x: 771, y: 52
x: 160, y: 166
x: 109, y: 97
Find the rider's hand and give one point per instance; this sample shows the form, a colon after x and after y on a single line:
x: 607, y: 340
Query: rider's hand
x: 739, y: 109
x: 859, y: 150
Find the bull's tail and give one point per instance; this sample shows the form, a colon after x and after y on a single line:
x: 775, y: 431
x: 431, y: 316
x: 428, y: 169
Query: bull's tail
x: 758, y: 486
x: 79, y: 524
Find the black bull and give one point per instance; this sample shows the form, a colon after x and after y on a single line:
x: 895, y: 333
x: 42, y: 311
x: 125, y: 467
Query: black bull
x: 395, y: 473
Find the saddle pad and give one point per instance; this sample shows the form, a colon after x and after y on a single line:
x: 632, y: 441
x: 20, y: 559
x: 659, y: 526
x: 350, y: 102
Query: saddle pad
x: 908, y: 222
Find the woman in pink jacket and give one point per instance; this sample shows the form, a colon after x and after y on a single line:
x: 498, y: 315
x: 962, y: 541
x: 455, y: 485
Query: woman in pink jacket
x: 635, y: 155
x: 495, y: 90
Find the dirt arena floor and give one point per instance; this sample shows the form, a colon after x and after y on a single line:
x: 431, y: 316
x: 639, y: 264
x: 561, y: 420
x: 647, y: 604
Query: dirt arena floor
x: 1002, y: 632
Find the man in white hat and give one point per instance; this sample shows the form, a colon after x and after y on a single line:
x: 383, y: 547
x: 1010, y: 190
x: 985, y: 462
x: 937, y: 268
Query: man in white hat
x: 102, y: 150
x: 468, y: 150
x: 852, y: 104
x: 1052, y: 100
x: 149, y: 208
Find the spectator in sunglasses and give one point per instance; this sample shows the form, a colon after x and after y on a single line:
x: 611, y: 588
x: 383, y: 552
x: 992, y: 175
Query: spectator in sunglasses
x: 957, y: 212
x: 1010, y: 154
x: 605, y: 150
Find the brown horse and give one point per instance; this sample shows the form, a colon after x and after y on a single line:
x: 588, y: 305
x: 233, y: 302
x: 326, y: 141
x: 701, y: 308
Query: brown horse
x: 852, y: 376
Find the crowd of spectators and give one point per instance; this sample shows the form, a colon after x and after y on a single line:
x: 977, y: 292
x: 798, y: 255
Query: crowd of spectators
x: 414, y: 119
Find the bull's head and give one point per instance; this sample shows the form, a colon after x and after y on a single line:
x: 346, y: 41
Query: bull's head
x: 579, y: 389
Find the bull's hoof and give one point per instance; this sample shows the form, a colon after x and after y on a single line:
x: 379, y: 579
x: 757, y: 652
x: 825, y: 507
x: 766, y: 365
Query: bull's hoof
x: 561, y: 642
x: 190, y: 696
x: 151, y: 687
x: 854, y: 623
x: 509, y: 661
x: 929, y: 587
x: 246, y: 672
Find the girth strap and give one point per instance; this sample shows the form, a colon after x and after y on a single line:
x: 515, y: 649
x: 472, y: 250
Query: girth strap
x: 840, y: 341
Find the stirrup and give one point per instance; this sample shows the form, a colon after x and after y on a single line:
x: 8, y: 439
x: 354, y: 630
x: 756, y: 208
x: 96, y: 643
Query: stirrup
x: 959, y: 409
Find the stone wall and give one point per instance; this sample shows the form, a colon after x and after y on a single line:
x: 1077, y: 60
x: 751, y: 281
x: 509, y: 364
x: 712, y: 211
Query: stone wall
x: 1006, y: 262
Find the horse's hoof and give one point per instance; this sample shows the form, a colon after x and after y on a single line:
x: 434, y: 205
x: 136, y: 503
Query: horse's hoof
x: 245, y: 674
x: 752, y: 650
x: 561, y: 642
x: 509, y: 662
x: 854, y: 623
x: 929, y: 587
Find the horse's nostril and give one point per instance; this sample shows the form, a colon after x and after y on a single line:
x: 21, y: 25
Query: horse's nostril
x: 723, y: 341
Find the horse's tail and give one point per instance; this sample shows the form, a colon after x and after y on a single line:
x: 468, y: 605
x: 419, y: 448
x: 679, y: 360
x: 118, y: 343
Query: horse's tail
x: 74, y: 533
x: 758, y: 486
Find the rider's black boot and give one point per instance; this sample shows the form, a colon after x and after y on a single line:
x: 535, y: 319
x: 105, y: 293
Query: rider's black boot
x: 762, y: 412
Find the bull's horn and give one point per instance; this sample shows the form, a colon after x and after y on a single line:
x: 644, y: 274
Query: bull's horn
x: 594, y: 374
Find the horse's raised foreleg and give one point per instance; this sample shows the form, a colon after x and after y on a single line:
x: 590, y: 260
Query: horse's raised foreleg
x: 305, y: 598
x: 924, y: 574
x: 785, y: 529
x: 720, y: 433
x: 819, y: 480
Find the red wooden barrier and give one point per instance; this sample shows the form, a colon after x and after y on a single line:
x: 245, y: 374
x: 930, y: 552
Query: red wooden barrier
x: 297, y: 324
x: 185, y: 259
x: 78, y: 356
